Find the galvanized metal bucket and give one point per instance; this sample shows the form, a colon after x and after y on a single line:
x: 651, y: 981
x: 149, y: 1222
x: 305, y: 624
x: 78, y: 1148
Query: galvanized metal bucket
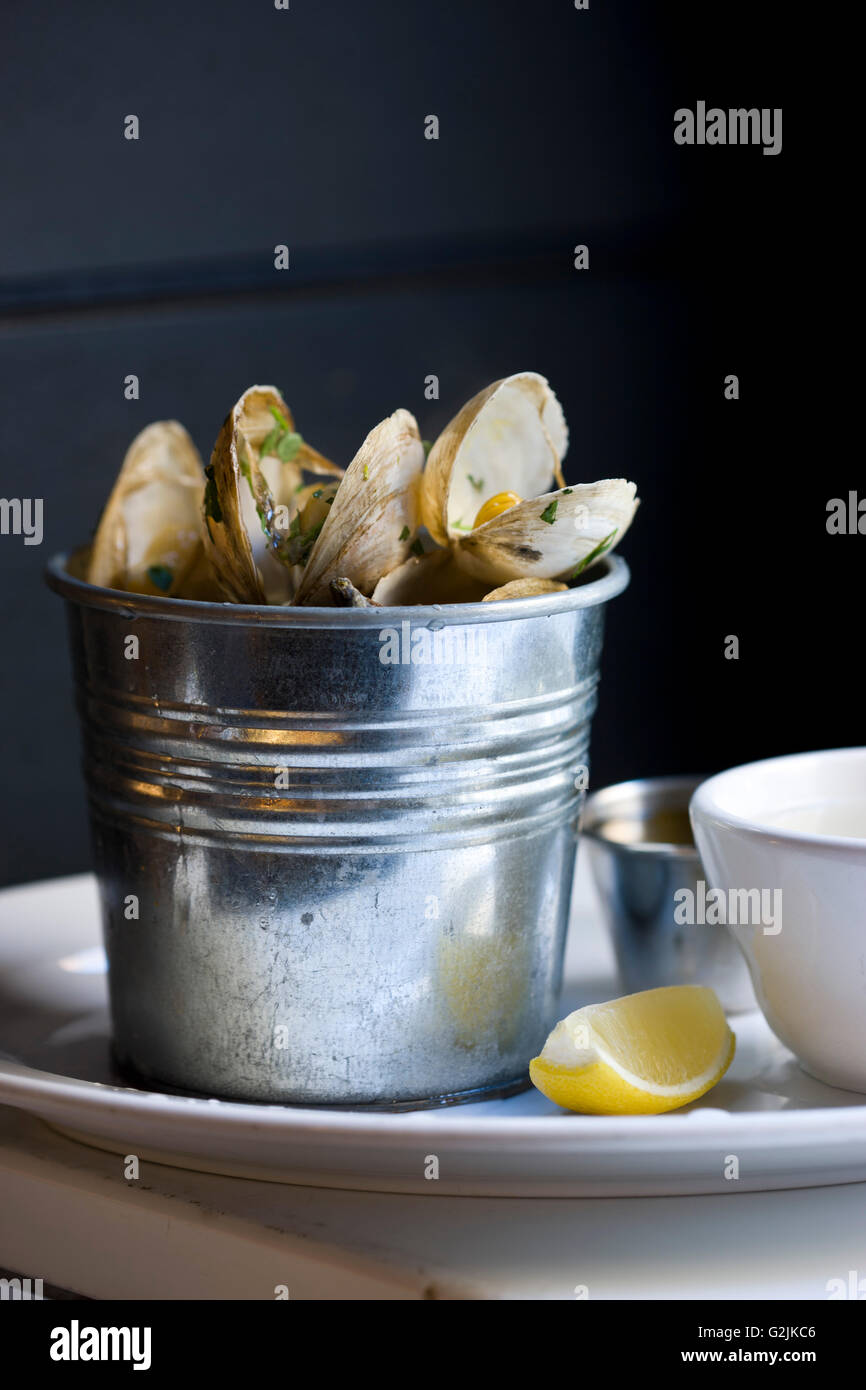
x: 335, y: 847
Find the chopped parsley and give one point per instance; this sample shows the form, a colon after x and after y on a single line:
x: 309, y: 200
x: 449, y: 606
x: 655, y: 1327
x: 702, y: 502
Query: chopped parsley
x: 549, y: 513
x: 161, y: 577
x: 405, y: 533
x: 567, y: 491
x: 270, y: 441
x: 289, y: 446
x: 477, y: 483
x: 298, y: 544
x: 595, y: 553
x: 282, y: 440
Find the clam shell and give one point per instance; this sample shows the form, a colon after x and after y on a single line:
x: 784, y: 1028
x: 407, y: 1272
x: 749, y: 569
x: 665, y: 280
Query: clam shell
x: 250, y: 499
x: 587, y: 521
x: 372, y: 522
x: 511, y: 437
x: 524, y: 588
x: 149, y: 539
x: 431, y: 578
x: 200, y: 583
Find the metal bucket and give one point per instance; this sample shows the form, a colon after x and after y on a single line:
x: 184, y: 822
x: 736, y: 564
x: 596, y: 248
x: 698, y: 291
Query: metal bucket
x: 335, y: 847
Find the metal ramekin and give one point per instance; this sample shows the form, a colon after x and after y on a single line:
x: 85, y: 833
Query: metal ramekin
x: 638, y: 884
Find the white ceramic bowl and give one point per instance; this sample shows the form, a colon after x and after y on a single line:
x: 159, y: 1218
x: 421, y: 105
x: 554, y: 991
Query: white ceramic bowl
x: 784, y: 827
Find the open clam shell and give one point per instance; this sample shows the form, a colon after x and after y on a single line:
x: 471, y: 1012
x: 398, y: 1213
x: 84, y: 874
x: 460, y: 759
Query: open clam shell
x: 524, y: 588
x: 511, y: 437
x: 432, y: 578
x: 149, y: 539
x: 251, y: 514
x: 556, y: 536
x: 371, y: 524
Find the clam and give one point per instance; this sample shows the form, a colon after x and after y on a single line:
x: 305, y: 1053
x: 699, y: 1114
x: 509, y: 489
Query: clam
x: 433, y: 577
x: 513, y: 432
x: 371, y: 525
x: 253, y: 528
x: 149, y: 539
x: 253, y: 506
x: 524, y: 588
x: 486, y: 490
x: 555, y: 536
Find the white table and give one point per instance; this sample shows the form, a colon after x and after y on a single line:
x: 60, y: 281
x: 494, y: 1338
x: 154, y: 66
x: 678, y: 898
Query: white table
x: 69, y: 1217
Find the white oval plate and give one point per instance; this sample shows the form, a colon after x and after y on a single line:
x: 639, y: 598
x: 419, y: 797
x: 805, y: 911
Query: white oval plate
x: 766, y: 1125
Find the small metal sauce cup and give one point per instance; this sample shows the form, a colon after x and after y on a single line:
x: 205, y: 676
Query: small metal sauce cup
x: 335, y: 869
x: 640, y: 845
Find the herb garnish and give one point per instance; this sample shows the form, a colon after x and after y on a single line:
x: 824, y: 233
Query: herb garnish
x: 405, y: 533
x: 289, y: 446
x: 161, y: 577
x: 477, y: 483
x: 270, y: 442
x: 549, y: 513
x: 594, y: 554
x: 295, y: 549
x: 282, y: 440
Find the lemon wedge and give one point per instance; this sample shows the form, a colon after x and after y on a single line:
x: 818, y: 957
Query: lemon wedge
x: 639, y: 1055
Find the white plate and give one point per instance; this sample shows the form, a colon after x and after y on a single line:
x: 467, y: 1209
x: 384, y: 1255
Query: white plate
x: 777, y: 1126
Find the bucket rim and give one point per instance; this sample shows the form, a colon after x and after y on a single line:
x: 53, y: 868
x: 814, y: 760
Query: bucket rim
x: 614, y: 577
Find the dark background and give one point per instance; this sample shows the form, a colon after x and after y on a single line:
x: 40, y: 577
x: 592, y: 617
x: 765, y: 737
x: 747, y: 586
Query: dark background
x: 411, y: 257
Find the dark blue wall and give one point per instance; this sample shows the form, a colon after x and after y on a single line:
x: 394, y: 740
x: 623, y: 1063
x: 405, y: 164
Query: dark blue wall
x: 410, y: 256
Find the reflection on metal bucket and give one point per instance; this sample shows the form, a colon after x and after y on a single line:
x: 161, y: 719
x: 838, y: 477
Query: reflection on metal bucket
x: 329, y: 878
